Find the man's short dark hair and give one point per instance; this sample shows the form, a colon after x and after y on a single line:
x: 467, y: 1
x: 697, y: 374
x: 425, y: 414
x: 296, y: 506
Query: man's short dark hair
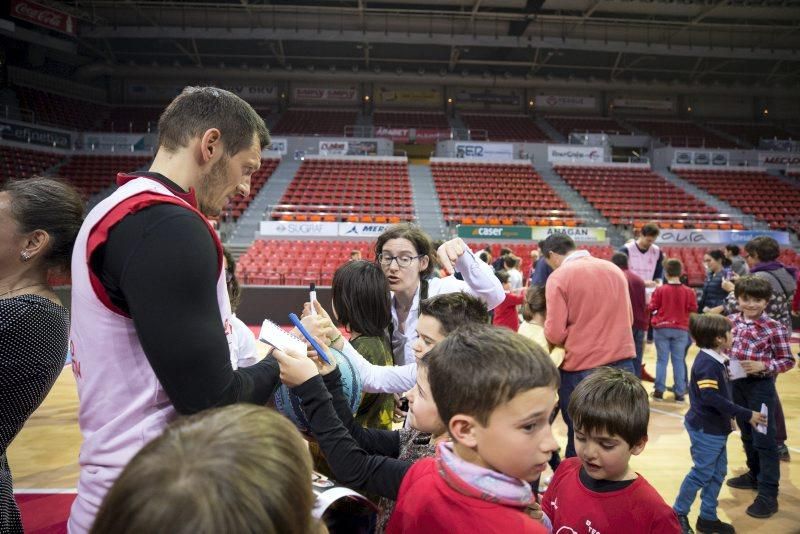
x: 477, y: 368
x: 753, y: 286
x: 198, y: 109
x: 502, y: 276
x: 764, y: 247
x: 706, y: 328
x: 455, y: 309
x: 560, y: 244
x: 733, y: 249
x: 620, y: 259
x: 673, y: 267
x: 611, y: 400
x: 650, y: 229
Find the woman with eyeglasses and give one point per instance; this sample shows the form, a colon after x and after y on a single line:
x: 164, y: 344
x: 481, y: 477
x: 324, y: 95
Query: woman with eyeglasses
x: 405, y: 254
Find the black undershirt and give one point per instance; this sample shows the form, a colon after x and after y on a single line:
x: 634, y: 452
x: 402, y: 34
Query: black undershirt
x: 160, y: 265
x: 602, y: 486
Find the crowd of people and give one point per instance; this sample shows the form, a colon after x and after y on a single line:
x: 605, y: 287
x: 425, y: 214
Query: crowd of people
x: 455, y: 428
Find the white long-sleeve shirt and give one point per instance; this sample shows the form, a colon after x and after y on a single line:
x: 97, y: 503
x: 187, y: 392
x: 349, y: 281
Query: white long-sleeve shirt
x: 479, y: 280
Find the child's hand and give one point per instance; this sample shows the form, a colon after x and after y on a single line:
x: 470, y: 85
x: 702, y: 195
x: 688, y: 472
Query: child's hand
x: 295, y: 368
x: 728, y: 286
x: 534, y: 510
x: 449, y: 252
x: 757, y: 418
x: 324, y: 368
x: 753, y: 368
x: 319, y: 327
x: 318, y: 307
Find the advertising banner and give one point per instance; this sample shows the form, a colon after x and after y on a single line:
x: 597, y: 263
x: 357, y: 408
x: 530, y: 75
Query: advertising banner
x: 775, y: 160
x: 428, y: 97
x: 578, y: 234
x: 494, y: 232
x: 254, y: 94
x: 362, y: 148
x: 361, y: 229
x: 489, y: 96
x: 333, y: 148
x: 44, y: 16
x: 485, y: 150
x: 649, y: 104
x: 714, y: 158
x: 431, y: 135
x: 714, y: 237
x: 784, y: 145
x: 575, y: 154
x: 35, y: 136
x: 279, y: 144
x: 325, y: 94
x: 401, y: 135
x: 299, y: 229
x: 564, y: 102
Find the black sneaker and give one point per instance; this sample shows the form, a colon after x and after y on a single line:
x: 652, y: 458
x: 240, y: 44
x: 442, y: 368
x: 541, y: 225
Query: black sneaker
x: 763, y: 507
x: 783, y: 453
x: 716, y: 526
x: 686, y: 527
x: 680, y: 398
x: 658, y: 395
x: 744, y: 481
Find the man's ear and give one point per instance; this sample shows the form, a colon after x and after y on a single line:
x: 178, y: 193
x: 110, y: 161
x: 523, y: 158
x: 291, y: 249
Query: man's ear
x: 637, y: 449
x: 210, y: 145
x: 463, y: 429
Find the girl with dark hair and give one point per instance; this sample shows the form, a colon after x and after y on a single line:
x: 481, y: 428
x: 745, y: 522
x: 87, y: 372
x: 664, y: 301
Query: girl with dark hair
x: 717, y: 267
x: 362, y: 305
x: 39, y: 219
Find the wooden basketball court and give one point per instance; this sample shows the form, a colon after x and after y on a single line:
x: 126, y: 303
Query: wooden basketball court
x: 45, y: 454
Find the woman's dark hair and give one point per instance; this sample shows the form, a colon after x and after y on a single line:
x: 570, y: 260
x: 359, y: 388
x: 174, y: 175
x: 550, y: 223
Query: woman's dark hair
x: 719, y: 256
x: 361, y: 298
x: 764, y: 248
x: 418, y: 238
x: 234, y: 289
x: 51, y: 205
x: 733, y: 249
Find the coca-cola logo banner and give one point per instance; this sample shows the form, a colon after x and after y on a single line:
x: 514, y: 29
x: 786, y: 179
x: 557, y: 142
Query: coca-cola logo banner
x: 43, y: 16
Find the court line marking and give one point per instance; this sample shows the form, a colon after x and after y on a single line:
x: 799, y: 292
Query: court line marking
x: 677, y: 416
x: 45, y: 490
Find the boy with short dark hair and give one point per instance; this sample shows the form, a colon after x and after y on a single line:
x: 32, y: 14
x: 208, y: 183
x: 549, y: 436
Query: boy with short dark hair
x: 671, y: 305
x: 494, y: 390
x: 708, y: 422
x: 597, y: 491
x: 761, y: 346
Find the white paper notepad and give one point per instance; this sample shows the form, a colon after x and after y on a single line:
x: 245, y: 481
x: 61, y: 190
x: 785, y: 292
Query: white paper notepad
x: 274, y: 335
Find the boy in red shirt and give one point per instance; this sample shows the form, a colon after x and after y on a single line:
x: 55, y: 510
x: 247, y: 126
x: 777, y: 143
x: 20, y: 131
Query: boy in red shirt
x: 494, y: 390
x: 597, y: 491
x: 506, y: 313
x: 671, y: 305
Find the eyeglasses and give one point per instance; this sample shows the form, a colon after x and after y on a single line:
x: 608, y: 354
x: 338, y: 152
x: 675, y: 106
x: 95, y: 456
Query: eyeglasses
x: 386, y: 259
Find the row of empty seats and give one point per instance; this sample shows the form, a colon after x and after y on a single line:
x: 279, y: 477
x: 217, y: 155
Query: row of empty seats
x: 757, y: 193
x: 51, y: 108
x: 410, y: 119
x: 492, y: 193
x: 682, y: 133
x: 497, y: 127
x: 346, y: 189
x: 18, y: 163
x: 315, y: 122
x: 627, y: 195
x: 567, y: 125
x: 92, y: 174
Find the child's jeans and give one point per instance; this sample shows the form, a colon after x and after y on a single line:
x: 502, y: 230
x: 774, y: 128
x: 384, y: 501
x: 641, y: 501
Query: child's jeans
x: 710, y: 457
x: 761, y: 449
x: 671, y: 344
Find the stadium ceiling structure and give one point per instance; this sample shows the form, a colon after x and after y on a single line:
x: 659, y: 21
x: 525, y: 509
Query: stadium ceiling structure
x: 699, y: 45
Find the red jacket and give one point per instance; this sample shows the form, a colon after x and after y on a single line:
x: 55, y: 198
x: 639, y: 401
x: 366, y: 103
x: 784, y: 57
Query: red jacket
x: 671, y: 305
x: 426, y: 504
x: 505, y: 314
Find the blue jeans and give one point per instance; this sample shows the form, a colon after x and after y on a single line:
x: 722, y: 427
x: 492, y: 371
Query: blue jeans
x: 638, y: 344
x: 671, y: 345
x: 761, y: 449
x: 570, y: 379
x: 710, y: 457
